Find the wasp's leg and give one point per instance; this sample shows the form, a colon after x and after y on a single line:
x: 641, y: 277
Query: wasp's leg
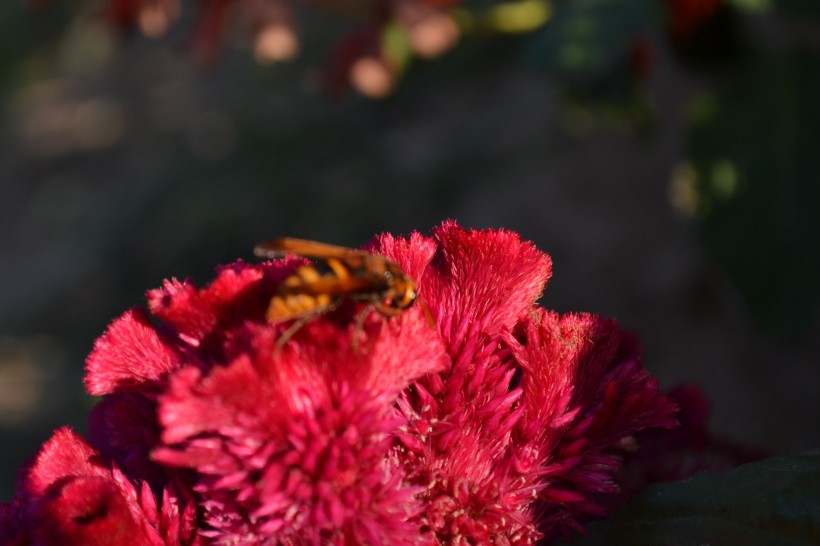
x: 360, y: 318
x: 300, y: 321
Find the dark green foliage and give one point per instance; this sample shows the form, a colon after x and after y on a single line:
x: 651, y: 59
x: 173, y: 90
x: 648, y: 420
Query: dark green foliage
x: 775, y: 502
x: 755, y: 148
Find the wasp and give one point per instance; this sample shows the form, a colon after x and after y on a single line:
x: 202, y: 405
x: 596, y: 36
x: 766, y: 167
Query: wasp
x: 339, y: 273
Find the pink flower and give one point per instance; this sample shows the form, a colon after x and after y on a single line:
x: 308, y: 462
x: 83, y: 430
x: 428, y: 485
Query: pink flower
x: 503, y: 423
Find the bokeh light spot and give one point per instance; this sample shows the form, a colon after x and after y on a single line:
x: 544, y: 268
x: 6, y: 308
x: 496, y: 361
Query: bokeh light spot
x: 683, y: 191
x: 724, y: 179
x: 519, y: 17
x: 276, y: 42
x: 372, y: 77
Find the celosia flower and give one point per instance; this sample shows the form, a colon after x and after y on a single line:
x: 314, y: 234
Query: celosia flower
x: 501, y: 423
x: 69, y: 496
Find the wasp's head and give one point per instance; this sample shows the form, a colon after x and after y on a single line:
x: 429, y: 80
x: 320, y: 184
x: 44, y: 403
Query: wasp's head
x: 402, y: 292
x: 406, y: 293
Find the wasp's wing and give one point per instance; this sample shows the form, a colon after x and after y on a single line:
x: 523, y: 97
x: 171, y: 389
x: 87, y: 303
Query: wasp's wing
x: 334, y: 286
x: 282, y: 246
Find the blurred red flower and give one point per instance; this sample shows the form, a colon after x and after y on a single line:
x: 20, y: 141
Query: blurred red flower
x: 672, y: 455
x: 686, y: 16
x: 502, y: 424
x: 271, y: 26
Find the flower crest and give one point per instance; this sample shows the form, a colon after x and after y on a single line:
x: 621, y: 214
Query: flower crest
x: 500, y: 423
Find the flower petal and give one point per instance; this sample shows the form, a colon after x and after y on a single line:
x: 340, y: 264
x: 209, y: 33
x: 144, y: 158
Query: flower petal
x: 412, y: 254
x: 71, y: 496
x: 64, y: 455
x: 482, y: 281
x: 585, y: 393
x: 129, y: 355
x: 237, y: 294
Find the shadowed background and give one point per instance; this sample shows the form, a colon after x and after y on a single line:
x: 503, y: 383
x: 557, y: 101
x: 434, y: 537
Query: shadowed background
x: 675, y: 186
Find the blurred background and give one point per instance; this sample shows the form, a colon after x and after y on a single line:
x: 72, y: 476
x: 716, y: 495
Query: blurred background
x: 664, y: 152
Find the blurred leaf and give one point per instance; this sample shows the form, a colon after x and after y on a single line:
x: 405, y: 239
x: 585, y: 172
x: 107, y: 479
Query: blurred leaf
x: 754, y: 6
x: 23, y: 29
x: 11, y: 15
x: 757, y: 171
x: 775, y: 502
x: 598, y: 53
x: 585, y: 37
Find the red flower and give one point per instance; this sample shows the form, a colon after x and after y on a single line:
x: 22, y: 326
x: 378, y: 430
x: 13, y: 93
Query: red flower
x: 70, y: 496
x: 503, y: 423
x: 518, y: 434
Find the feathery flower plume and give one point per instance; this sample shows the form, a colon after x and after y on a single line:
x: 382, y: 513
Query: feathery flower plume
x: 501, y: 423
